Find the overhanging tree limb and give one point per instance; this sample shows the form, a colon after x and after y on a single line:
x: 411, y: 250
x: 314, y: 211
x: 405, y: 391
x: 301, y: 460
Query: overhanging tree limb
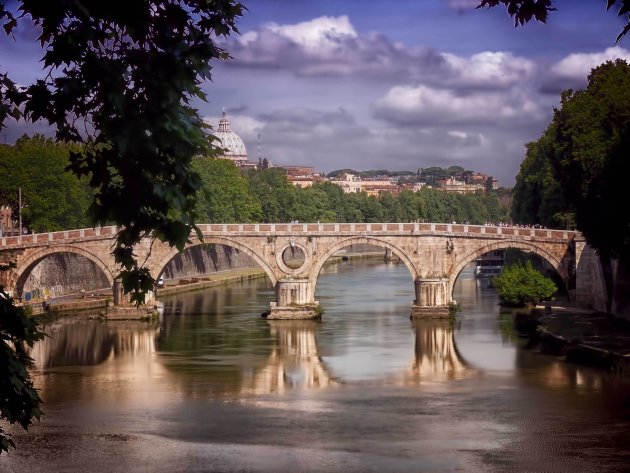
x: 522, y: 11
x: 122, y: 82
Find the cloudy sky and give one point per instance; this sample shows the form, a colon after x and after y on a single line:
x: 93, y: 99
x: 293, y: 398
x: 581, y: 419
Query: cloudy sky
x: 402, y: 84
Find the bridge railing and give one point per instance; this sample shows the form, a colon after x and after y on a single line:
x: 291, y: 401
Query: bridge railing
x: 52, y: 237
x: 453, y: 229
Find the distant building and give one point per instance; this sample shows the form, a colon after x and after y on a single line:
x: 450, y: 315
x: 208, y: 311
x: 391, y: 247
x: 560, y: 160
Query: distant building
x: 302, y: 176
x: 377, y: 185
x: 412, y: 186
x: 6, y: 221
x: 350, y: 183
x: 299, y: 171
x: 232, y: 143
x: 459, y: 187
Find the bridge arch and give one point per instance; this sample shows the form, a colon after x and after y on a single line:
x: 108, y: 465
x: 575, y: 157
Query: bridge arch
x: 28, y: 264
x: 157, y: 268
x: 462, y: 262
x: 321, y: 260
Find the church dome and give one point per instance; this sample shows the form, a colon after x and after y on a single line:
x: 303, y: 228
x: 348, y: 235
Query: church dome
x: 236, y: 150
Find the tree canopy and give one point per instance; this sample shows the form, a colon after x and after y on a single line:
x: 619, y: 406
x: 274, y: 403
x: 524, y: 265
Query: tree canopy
x: 120, y: 82
x: 591, y: 132
x: 52, y: 199
x: 537, y: 195
x: 19, y: 400
x: 224, y: 195
x: 577, y: 171
x: 521, y: 284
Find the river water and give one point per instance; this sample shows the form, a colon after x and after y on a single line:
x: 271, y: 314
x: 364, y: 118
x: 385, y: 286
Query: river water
x: 213, y: 387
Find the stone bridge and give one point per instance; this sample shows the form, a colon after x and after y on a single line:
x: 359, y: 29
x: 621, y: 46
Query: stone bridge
x: 434, y: 254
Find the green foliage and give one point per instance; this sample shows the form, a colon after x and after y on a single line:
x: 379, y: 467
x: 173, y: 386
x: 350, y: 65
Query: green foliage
x: 538, y: 197
x: 590, y: 157
x: 19, y: 400
x: 453, y: 309
x: 224, y: 195
x: 326, y: 202
x: 121, y: 81
x: 576, y: 173
x: 52, y: 199
x: 276, y: 195
x: 521, y: 284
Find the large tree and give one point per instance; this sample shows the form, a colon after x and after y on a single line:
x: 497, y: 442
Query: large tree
x: 224, y: 196
x: 120, y: 80
x: 577, y: 171
x: 538, y: 197
x: 52, y: 199
x: 590, y: 156
x: 275, y: 193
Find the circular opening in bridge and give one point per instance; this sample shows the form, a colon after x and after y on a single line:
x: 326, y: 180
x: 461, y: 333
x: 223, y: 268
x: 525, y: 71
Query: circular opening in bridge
x: 293, y: 257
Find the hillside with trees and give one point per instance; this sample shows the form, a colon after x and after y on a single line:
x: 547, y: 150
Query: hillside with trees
x: 54, y: 199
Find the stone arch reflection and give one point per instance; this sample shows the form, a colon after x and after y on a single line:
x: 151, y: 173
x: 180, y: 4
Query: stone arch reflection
x: 294, y: 361
x: 87, y: 342
x: 435, y: 352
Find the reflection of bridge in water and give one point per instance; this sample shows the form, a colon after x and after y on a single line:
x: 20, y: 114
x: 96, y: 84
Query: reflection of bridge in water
x: 125, y: 353
x: 435, y: 351
x: 294, y: 361
x: 79, y: 342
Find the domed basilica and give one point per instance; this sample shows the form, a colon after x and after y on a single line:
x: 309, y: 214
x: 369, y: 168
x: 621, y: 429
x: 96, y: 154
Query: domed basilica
x: 233, y: 143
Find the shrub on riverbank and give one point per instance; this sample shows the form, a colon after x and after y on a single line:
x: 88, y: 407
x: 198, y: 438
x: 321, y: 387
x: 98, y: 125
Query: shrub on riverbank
x: 521, y: 284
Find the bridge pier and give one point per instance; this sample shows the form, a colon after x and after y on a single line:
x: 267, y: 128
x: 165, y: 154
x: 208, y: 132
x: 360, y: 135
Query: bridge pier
x: 120, y: 298
x: 294, y: 300
x: 389, y: 255
x: 432, y: 298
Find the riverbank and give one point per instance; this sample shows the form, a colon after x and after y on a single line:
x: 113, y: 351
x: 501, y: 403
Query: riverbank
x: 210, y: 280
x: 584, y: 337
x: 92, y: 305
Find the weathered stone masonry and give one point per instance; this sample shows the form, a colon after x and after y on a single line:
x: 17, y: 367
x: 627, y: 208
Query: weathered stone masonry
x: 433, y: 253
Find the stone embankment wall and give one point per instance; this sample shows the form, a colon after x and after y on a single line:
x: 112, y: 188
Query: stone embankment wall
x: 62, y: 274
x: 603, y: 285
x: 208, y: 259
x: 66, y: 273
x: 621, y: 289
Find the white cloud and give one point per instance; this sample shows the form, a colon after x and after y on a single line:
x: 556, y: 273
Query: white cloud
x: 330, y: 46
x: 572, y: 71
x: 577, y: 66
x: 489, y: 69
x: 321, y: 36
x: 422, y: 105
